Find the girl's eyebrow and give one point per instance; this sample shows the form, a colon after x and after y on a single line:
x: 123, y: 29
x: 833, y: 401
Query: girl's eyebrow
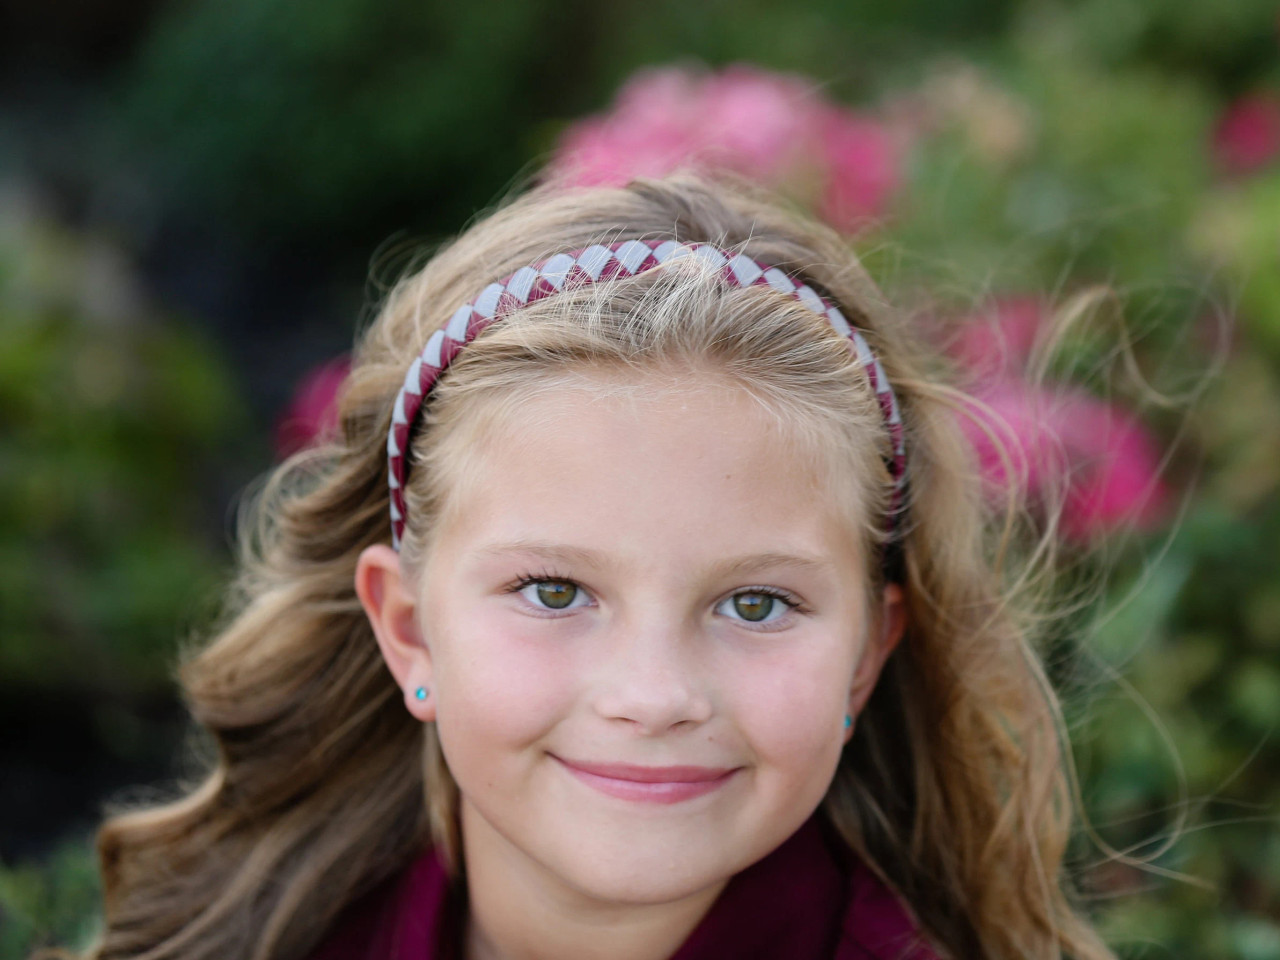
x: 759, y: 561
x: 568, y: 554
x: 545, y: 550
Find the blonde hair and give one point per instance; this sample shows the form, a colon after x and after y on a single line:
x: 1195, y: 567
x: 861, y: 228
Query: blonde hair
x: 956, y: 785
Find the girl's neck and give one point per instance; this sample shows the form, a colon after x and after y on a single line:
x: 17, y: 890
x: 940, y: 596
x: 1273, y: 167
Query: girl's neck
x: 528, y: 936
x: 513, y: 913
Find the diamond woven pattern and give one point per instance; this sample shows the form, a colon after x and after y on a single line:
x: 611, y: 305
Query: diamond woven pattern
x: 593, y: 265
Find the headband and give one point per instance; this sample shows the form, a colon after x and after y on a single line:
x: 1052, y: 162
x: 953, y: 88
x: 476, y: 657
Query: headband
x: 592, y: 265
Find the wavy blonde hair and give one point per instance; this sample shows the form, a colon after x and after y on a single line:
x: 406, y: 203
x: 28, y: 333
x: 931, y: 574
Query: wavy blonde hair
x: 956, y: 787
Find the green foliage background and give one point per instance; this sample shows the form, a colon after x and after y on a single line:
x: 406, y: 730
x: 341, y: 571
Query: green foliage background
x: 1080, y: 154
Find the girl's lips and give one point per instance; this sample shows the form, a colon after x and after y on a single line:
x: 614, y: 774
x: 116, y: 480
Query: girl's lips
x: 649, y: 784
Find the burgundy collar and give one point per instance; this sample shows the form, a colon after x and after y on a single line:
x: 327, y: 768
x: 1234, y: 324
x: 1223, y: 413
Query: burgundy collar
x: 808, y: 900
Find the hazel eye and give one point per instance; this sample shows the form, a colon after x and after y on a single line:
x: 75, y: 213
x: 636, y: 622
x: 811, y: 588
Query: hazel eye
x: 755, y: 606
x: 553, y: 594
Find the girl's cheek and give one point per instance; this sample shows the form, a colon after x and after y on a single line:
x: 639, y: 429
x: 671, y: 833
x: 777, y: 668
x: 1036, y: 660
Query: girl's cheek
x: 501, y: 677
x: 792, y: 710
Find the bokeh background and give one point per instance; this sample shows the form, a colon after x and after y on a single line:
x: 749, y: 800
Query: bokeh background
x: 201, y: 200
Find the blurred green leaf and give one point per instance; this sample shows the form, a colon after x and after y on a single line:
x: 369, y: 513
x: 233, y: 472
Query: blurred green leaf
x: 55, y: 901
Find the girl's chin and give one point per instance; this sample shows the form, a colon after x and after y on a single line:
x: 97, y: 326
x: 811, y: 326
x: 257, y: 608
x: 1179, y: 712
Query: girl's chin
x: 632, y: 865
x: 646, y: 884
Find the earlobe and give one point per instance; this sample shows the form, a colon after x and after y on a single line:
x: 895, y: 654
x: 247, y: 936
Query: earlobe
x: 390, y: 605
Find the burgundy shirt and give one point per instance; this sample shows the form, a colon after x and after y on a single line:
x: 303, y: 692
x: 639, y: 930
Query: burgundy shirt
x: 808, y: 900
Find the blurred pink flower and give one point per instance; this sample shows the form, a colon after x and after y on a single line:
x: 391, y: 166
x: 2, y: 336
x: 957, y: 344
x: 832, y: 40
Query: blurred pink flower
x: 862, y: 167
x: 648, y: 133
x: 1015, y: 423
x: 1115, y: 469
x: 755, y: 122
x: 1096, y: 455
x: 312, y: 414
x: 774, y: 128
x: 997, y: 341
x: 1247, y: 136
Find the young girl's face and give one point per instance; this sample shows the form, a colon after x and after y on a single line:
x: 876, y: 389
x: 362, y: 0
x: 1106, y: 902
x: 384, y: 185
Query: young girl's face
x: 644, y: 627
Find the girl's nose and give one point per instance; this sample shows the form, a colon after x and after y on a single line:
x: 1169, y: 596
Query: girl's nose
x: 652, y: 680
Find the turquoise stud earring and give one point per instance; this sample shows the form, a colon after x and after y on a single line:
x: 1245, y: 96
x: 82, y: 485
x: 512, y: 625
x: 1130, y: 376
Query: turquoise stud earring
x: 848, y: 720
x: 421, y: 694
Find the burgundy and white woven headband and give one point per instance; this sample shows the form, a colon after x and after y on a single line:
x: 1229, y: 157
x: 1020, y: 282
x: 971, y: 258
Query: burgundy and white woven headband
x: 592, y: 265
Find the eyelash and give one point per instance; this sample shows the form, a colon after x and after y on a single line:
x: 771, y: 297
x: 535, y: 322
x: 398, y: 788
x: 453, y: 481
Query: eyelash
x: 525, y: 579
x: 793, y: 602
x: 790, y: 599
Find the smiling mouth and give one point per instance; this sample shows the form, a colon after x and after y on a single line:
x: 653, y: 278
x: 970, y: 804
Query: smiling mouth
x: 649, y: 784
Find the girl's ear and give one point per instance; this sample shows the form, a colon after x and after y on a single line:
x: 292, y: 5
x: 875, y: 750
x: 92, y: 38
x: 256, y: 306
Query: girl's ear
x: 390, y: 604
x: 893, y: 622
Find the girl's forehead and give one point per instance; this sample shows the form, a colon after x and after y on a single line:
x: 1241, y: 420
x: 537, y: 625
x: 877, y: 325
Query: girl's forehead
x: 654, y: 467
x: 680, y: 402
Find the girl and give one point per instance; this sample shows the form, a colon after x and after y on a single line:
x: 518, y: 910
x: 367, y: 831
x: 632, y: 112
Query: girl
x: 643, y: 608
